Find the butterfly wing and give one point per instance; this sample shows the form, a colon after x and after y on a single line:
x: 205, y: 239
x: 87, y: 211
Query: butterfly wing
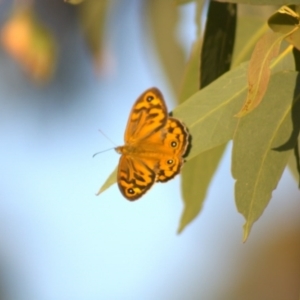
x: 135, y: 177
x: 175, y: 139
x: 148, y: 115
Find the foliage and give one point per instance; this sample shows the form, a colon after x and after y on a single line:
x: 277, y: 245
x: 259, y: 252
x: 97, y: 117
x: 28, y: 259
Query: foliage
x: 255, y: 104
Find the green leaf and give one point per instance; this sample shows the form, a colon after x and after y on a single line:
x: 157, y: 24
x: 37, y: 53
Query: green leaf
x: 198, y: 16
x: 209, y: 113
x: 92, y: 17
x: 196, y: 178
x: 255, y: 166
x: 112, y: 179
x: 164, y: 18
x: 180, y: 2
x: 191, y: 76
x: 249, y: 30
x: 74, y: 2
x: 197, y: 174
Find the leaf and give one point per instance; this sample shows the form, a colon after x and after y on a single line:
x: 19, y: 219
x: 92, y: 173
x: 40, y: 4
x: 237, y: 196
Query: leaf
x: 259, y: 71
x: 209, y: 113
x: 191, y: 75
x: 196, y: 178
x: 218, y: 41
x: 180, y: 2
x: 249, y: 29
x: 198, y: 173
x: 92, y: 17
x: 74, y: 2
x: 164, y: 19
x: 28, y: 41
x: 286, y: 21
x: 112, y: 179
x: 256, y: 167
x: 198, y: 16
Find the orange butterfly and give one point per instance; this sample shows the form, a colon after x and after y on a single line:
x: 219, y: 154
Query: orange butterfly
x: 154, y: 146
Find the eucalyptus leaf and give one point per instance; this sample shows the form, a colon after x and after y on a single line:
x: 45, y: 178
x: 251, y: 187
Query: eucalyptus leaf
x: 256, y: 166
x: 196, y: 178
x: 112, y: 179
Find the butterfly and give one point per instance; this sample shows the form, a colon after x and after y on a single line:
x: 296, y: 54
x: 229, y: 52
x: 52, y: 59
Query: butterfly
x: 154, y: 146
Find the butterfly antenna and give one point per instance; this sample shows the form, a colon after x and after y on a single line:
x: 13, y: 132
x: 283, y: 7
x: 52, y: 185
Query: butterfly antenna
x: 107, y: 138
x: 102, y: 151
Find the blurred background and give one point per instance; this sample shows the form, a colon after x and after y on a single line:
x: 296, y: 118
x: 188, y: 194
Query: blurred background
x: 58, y: 86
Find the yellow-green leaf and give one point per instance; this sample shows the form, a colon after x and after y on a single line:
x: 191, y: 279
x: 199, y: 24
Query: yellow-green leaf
x: 196, y: 178
x: 180, y: 2
x: 249, y: 30
x: 164, y: 19
x: 92, y: 16
x: 286, y: 21
x: 74, y: 2
x: 256, y: 167
x: 112, y: 178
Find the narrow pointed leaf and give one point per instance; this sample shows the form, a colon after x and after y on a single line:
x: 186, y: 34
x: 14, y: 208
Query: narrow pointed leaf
x: 248, y: 31
x: 164, y: 18
x: 181, y: 2
x: 74, y: 2
x: 112, y: 178
x: 196, y: 178
x: 92, y: 17
x: 259, y: 71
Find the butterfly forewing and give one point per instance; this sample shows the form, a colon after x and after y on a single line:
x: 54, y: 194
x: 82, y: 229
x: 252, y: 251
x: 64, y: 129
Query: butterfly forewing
x: 148, y: 114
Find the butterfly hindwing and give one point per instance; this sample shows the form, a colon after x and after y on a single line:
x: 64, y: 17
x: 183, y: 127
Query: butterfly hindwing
x: 175, y: 142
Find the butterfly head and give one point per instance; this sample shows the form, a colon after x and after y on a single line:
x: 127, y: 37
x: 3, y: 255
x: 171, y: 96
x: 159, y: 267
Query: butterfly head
x: 119, y: 149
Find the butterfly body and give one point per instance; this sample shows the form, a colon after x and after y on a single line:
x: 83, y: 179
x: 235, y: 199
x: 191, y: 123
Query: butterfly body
x: 154, y: 146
